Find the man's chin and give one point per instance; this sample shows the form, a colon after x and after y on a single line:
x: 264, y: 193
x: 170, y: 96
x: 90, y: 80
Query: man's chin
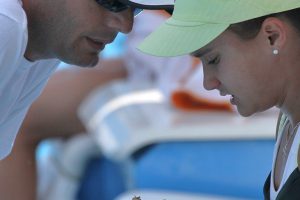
x: 89, y: 61
x: 92, y: 63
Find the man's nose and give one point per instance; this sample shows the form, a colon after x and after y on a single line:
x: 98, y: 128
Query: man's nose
x: 123, y: 21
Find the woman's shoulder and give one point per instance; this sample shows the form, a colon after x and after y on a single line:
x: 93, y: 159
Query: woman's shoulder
x: 281, y: 123
x: 298, y: 158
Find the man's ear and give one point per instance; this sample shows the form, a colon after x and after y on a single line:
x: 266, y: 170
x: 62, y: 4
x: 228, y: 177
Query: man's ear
x: 275, y: 32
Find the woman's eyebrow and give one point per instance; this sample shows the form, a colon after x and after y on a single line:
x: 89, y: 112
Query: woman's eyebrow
x: 201, y: 53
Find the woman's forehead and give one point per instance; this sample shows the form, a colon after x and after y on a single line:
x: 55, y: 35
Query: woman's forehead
x: 224, y: 38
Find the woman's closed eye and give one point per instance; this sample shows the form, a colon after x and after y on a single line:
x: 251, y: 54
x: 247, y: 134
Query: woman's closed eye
x: 215, y: 60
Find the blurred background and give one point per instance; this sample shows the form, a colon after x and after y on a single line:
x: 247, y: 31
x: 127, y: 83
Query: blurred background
x: 157, y: 134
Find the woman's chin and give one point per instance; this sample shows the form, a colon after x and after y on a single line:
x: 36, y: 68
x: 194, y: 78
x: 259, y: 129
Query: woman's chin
x: 244, y: 112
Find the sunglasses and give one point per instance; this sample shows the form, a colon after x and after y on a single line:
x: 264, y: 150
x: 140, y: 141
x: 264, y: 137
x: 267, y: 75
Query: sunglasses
x: 117, y: 6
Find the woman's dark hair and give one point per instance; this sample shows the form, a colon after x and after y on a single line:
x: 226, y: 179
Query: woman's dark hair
x: 249, y: 29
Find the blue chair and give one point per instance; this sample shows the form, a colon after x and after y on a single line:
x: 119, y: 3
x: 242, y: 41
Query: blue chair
x: 227, y: 168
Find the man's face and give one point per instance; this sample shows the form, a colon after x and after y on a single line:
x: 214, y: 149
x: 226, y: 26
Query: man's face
x: 75, y: 31
x: 244, y: 69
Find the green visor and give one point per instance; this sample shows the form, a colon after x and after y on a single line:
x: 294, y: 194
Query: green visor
x: 195, y: 23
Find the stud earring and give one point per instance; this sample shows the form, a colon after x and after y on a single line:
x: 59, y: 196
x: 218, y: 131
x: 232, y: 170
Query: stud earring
x: 275, y: 51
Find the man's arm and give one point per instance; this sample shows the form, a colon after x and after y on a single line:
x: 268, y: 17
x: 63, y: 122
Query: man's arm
x: 53, y: 114
x: 55, y: 111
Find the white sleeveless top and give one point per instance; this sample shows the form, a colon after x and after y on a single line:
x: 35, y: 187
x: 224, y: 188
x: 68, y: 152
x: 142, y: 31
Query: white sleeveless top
x: 291, y: 162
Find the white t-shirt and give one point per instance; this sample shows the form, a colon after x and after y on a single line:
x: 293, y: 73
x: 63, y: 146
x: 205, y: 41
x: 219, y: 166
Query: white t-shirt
x: 21, y: 81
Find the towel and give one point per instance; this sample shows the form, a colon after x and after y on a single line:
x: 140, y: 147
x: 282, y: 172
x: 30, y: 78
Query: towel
x: 190, y: 95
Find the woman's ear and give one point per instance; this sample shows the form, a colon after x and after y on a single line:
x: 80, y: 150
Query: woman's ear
x: 274, y: 29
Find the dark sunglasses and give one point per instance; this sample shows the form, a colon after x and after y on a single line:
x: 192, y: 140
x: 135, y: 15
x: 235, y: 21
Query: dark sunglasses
x: 116, y: 6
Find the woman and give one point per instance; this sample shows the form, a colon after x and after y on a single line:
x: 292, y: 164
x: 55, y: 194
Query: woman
x: 250, y: 51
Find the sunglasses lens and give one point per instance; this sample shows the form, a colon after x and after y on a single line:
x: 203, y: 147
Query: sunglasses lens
x: 112, y: 5
x: 137, y: 11
x: 116, y: 6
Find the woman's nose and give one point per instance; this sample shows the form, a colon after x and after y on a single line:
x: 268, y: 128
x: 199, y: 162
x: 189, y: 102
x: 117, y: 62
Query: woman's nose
x: 210, y: 82
x: 123, y: 21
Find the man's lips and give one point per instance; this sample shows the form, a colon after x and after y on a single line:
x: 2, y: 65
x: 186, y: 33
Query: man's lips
x: 96, y: 44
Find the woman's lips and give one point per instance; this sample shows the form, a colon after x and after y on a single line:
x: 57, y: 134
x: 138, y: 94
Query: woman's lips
x: 232, y: 100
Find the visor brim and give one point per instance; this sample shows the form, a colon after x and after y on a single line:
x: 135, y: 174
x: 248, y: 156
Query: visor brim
x: 170, y: 40
x: 151, y: 4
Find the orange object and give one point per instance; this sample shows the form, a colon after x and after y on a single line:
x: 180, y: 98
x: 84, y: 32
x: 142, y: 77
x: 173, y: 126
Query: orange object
x: 185, y: 100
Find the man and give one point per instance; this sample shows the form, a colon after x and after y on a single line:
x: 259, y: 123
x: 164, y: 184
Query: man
x: 36, y: 34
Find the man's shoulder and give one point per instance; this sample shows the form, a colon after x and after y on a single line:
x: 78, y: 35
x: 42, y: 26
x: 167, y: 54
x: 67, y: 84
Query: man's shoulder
x: 13, y: 20
x: 13, y: 28
x: 13, y: 12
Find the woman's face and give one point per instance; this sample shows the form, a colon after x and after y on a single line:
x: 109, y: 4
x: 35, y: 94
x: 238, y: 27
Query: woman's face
x: 244, y: 69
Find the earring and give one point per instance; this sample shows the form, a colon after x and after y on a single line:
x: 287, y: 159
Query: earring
x: 275, y: 51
